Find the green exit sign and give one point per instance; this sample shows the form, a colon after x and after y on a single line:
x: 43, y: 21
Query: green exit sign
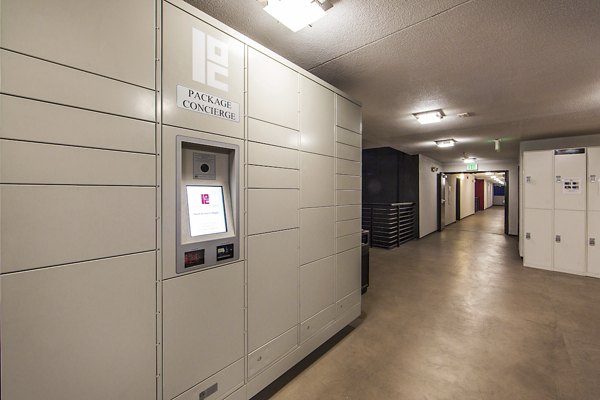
x: 472, y: 167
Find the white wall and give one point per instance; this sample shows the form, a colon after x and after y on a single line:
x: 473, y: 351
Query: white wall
x: 488, y: 194
x: 513, y: 177
x: 551, y: 144
x: 428, y: 194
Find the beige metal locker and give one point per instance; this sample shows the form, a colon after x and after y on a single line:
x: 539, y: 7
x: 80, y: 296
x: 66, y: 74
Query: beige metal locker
x: 316, y: 180
x: 59, y: 31
x: 570, y: 181
x: 317, y: 233
x: 316, y: 287
x: 80, y: 331
x: 203, y: 326
x: 272, y: 90
x: 538, y: 238
x: 348, y: 114
x: 317, y: 118
x: 272, y: 286
x: 593, y: 244
x: 593, y: 178
x: 569, y: 241
x: 538, y: 177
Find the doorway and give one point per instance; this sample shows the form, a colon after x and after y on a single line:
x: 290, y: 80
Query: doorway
x: 472, y: 193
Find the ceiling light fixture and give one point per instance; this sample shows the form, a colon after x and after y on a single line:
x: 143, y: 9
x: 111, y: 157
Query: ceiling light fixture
x: 297, y: 14
x: 445, y: 143
x: 429, y: 117
x: 497, y: 144
x: 489, y: 173
x: 469, y: 160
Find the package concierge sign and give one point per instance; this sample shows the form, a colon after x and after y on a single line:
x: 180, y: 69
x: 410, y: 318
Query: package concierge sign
x: 208, y: 104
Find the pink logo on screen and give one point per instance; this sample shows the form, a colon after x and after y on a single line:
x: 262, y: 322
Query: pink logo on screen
x: 205, y: 199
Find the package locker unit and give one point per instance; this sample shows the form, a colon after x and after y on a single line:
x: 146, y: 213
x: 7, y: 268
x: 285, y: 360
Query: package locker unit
x: 180, y: 206
x: 561, y: 209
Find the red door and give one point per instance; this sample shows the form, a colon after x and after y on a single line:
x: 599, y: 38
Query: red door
x: 479, y: 193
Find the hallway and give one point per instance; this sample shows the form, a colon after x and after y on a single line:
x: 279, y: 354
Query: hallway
x: 490, y: 220
x: 456, y: 316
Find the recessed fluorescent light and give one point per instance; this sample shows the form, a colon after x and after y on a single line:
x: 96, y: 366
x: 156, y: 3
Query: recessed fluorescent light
x: 489, y: 173
x: 296, y: 14
x: 430, y: 117
x: 445, y: 143
x: 469, y: 160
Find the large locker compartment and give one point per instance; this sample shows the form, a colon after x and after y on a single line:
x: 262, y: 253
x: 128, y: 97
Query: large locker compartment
x: 593, y: 222
x: 538, y: 239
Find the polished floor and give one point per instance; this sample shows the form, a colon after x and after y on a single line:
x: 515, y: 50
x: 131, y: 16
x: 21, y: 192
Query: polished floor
x: 490, y: 220
x: 456, y: 316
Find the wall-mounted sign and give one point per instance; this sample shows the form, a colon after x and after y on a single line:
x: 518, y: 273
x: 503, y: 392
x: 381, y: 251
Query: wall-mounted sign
x: 471, y: 167
x: 208, y: 104
x: 571, y: 185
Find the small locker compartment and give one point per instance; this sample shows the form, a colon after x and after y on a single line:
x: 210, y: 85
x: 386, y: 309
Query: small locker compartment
x: 593, y: 261
x: 538, y: 238
x: 569, y: 241
x: 537, y: 182
x: 594, y: 178
x: 570, y: 179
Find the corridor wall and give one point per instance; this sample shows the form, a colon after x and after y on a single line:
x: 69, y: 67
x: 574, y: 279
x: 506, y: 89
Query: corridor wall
x: 92, y: 306
x: 428, y: 193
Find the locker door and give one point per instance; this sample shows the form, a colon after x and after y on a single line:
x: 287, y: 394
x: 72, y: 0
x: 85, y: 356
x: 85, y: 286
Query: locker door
x: 570, y: 181
x: 537, y: 184
x: 594, y: 178
x: 538, y: 239
x: 569, y: 241
x: 593, y: 262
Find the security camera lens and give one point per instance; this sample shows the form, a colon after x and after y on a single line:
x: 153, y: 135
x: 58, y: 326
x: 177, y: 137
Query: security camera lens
x: 204, y: 168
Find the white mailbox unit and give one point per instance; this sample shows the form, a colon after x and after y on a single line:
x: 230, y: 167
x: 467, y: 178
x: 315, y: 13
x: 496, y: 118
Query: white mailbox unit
x: 180, y: 206
x: 560, y: 198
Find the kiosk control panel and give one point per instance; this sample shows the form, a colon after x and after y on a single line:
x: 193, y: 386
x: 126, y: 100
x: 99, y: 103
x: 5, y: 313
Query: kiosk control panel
x: 207, y: 203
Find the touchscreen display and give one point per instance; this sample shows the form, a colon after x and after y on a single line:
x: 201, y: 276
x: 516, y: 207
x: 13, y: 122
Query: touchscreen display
x: 206, y: 210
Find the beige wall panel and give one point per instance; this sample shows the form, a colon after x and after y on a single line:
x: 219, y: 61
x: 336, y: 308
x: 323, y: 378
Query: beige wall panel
x: 345, y: 213
x: 346, y: 304
x: 347, y: 152
x: 317, y: 118
x: 30, y: 120
x: 26, y: 162
x: 349, y: 227
x: 178, y: 60
x: 348, y: 114
x: 73, y: 223
x: 272, y: 286
x: 311, y: 326
x: 347, y: 242
x: 348, y: 137
x: 273, y: 178
x: 316, y: 180
x: 272, y: 351
x: 264, y: 132
x: 272, y: 156
x: 169, y: 139
x: 345, y: 167
x: 82, y: 331
x: 203, y: 328
x: 347, y: 272
x: 226, y: 380
x: 272, y: 210
x: 347, y: 182
x: 348, y: 197
x: 272, y: 91
x: 317, y: 232
x: 316, y: 287
x: 37, y: 79
x: 75, y: 33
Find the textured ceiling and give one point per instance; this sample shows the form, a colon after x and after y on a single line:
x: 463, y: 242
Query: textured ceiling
x: 524, y: 69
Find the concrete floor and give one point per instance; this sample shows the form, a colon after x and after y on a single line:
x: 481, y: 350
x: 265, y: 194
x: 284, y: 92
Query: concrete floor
x: 488, y: 221
x: 455, y: 315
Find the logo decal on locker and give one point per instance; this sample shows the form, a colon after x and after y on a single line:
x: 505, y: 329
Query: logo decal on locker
x: 205, y: 199
x: 210, y: 60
